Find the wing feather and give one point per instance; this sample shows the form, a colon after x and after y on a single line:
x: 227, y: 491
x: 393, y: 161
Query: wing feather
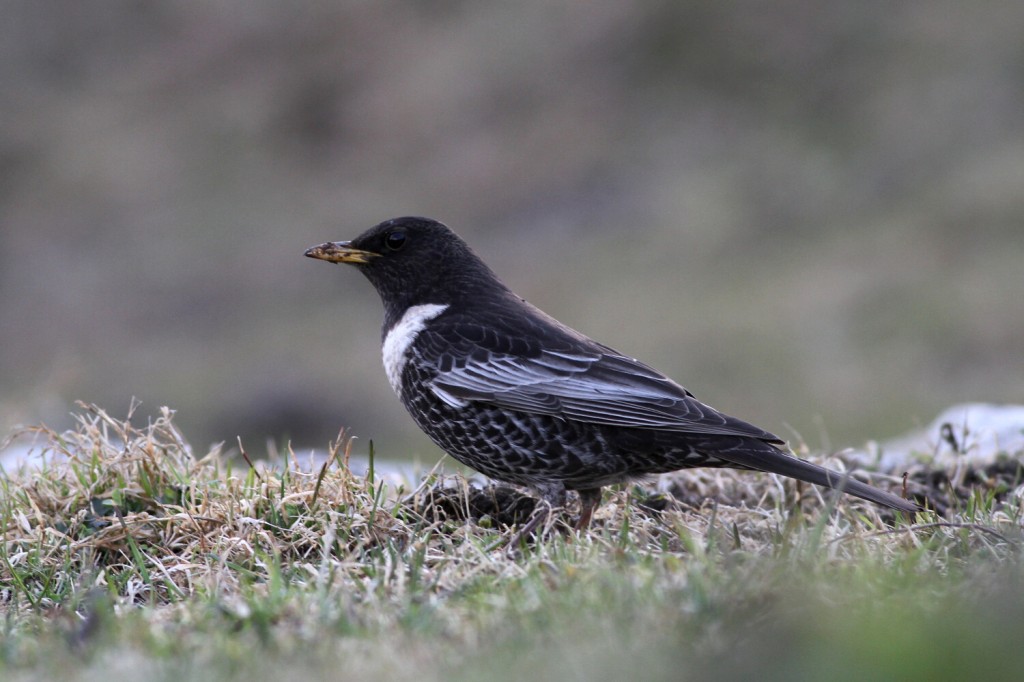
x: 595, y: 385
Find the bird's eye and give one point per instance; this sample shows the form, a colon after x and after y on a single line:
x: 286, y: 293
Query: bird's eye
x: 394, y: 240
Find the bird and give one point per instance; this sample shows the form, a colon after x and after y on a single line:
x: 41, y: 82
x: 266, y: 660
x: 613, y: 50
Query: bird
x: 513, y: 393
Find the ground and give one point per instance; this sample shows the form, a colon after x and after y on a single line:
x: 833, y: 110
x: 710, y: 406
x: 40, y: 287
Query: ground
x: 126, y: 554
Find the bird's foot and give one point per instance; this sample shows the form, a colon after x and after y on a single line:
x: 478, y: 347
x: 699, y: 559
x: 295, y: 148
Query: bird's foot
x: 589, y: 499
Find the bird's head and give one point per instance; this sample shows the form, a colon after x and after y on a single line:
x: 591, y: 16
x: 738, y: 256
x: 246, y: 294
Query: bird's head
x: 412, y: 261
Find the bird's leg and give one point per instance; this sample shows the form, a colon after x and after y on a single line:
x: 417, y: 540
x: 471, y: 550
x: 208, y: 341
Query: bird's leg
x: 589, y: 499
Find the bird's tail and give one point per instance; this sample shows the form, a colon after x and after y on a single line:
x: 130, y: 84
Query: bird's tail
x: 772, y: 460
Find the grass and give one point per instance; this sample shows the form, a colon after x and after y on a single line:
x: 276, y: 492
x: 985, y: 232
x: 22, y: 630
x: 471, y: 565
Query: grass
x: 127, y: 555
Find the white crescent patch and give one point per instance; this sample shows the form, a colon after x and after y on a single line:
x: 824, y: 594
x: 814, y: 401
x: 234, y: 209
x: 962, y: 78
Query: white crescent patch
x: 401, y: 336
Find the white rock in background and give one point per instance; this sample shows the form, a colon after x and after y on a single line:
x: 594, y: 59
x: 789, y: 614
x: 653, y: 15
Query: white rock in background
x: 16, y: 455
x: 23, y: 455
x: 977, y: 431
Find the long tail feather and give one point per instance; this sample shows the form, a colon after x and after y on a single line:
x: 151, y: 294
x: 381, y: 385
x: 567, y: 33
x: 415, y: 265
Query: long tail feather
x: 769, y: 459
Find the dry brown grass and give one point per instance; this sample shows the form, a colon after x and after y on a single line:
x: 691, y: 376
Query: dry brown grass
x: 127, y: 521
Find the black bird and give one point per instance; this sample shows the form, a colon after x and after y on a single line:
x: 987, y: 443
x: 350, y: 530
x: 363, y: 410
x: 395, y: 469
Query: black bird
x: 515, y: 394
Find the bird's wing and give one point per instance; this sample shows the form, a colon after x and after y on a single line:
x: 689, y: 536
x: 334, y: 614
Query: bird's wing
x: 595, y: 385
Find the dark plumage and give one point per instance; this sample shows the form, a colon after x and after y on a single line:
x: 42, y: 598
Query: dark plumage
x: 515, y: 394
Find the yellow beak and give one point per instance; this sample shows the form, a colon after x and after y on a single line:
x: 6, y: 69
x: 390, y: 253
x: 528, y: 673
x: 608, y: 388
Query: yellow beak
x: 340, y: 252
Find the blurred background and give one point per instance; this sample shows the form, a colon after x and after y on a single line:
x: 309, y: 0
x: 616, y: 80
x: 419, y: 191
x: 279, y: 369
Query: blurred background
x: 810, y: 214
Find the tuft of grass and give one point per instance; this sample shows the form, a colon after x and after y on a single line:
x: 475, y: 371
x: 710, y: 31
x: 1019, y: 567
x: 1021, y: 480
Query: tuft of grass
x: 125, y: 553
